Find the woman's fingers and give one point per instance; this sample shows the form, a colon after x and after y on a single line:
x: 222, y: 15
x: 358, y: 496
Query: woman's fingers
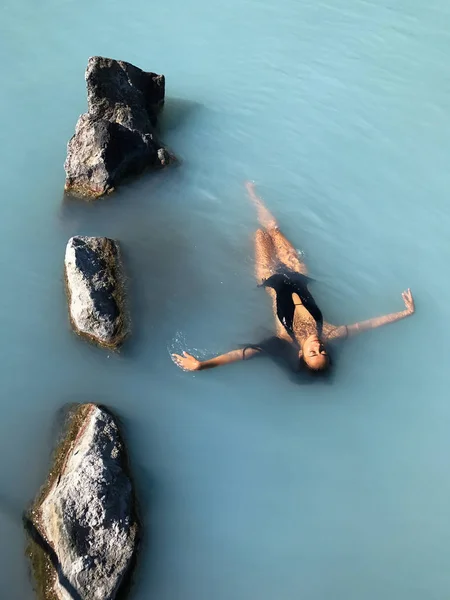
x: 187, y: 362
x: 408, y: 300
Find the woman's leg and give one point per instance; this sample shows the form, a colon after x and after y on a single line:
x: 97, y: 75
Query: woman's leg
x: 265, y: 256
x: 265, y: 264
x: 284, y: 250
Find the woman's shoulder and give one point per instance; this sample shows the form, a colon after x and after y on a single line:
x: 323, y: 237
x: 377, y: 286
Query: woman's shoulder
x: 333, y: 332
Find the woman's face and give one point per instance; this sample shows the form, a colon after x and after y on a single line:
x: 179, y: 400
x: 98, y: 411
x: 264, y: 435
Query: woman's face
x: 314, y: 353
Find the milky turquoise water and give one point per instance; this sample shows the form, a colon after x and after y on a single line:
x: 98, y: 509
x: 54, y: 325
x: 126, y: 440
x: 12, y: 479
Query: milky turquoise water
x: 251, y: 487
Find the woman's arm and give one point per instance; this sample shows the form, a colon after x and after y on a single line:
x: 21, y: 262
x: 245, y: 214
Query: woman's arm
x: 190, y: 363
x: 338, y: 333
x: 386, y: 319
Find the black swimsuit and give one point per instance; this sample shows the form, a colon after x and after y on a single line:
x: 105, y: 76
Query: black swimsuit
x: 285, y: 283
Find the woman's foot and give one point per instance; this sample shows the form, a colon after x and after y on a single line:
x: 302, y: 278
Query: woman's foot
x: 265, y: 217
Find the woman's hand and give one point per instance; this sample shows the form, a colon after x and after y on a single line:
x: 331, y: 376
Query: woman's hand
x: 409, y: 302
x: 186, y: 362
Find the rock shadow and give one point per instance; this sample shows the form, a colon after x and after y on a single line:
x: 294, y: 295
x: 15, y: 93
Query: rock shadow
x: 149, y: 498
x: 176, y: 112
x: 38, y: 539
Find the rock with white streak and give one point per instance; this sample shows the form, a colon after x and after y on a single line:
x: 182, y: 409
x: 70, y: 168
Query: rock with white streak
x: 95, y: 290
x: 83, y: 524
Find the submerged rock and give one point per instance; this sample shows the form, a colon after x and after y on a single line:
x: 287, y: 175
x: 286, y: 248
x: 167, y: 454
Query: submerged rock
x: 83, y: 525
x: 116, y: 137
x: 95, y: 290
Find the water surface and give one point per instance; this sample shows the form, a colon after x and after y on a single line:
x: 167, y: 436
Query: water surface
x: 250, y: 486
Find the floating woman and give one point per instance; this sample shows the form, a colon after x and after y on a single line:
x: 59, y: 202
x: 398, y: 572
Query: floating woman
x: 301, y: 333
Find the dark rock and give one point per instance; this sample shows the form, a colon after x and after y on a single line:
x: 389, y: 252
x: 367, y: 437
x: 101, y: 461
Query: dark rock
x: 95, y: 290
x: 83, y: 526
x: 116, y: 137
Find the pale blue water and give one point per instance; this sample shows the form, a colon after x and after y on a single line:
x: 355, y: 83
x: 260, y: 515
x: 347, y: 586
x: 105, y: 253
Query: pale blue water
x: 251, y: 487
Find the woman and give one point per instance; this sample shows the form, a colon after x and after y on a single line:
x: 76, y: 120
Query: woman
x: 301, y: 333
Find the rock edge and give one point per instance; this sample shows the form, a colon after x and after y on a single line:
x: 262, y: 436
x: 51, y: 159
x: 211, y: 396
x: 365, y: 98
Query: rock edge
x: 83, y: 524
x: 96, y: 290
x: 116, y: 137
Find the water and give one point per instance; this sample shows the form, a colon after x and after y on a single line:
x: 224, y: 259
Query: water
x: 250, y: 486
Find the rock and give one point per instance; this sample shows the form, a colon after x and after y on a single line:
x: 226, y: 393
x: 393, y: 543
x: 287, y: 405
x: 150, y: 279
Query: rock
x: 83, y: 524
x: 116, y: 137
x: 95, y: 290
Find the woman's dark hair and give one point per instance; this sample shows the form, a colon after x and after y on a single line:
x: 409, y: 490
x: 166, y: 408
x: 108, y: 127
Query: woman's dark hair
x: 286, y: 356
x: 322, y: 373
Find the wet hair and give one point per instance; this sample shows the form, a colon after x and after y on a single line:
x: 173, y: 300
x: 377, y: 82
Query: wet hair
x: 321, y: 372
x: 286, y: 356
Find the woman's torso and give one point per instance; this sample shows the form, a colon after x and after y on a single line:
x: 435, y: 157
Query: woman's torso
x: 302, y: 317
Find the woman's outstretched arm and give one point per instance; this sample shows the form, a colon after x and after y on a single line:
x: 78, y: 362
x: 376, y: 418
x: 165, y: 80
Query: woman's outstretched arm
x: 386, y: 319
x: 187, y: 362
x: 338, y: 333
